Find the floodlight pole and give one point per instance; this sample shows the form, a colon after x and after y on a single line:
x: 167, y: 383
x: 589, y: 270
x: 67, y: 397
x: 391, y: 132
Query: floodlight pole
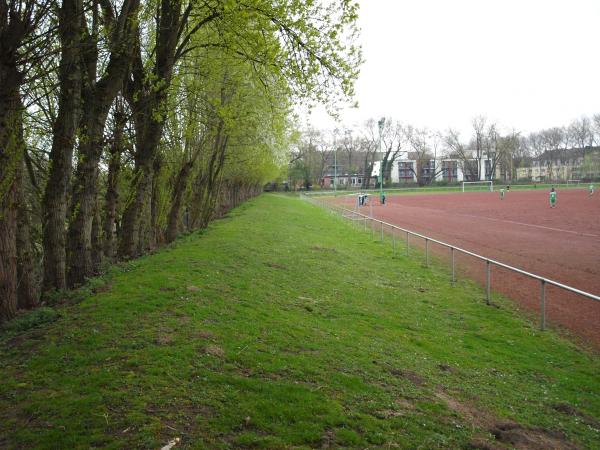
x: 381, y: 123
x: 334, y: 166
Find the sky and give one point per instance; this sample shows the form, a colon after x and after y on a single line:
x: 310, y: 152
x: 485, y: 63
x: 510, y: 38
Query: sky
x: 523, y: 64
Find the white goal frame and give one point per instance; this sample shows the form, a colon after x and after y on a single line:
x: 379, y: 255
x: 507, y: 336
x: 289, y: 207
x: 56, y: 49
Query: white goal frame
x: 576, y: 182
x: 488, y: 182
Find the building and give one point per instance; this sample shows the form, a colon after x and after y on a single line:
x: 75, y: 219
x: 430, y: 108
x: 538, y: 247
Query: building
x: 344, y: 181
x: 562, y: 165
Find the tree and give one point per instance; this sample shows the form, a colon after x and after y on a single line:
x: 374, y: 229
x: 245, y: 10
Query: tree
x: 424, y: 146
x: 303, y: 43
x: 99, y: 90
x: 458, y: 150
x: 20, y: 25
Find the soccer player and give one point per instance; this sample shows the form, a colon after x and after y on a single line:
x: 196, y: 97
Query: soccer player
x: 552, y: 198
x: 383, y: 198
x: 591, y: 188
x: 502, y: 194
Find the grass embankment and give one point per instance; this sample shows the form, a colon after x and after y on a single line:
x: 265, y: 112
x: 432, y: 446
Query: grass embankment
x: 283, y: 327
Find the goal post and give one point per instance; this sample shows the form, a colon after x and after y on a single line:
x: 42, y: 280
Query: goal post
x: 477, y: 186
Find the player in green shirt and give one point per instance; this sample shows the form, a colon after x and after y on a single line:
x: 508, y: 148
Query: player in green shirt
x: 502, y: 194
x: 552, y: 198
x: 591, y: 189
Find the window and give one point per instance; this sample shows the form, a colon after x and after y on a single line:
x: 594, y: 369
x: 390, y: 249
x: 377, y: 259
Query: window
x: 405, y: 170
x: 449, y: 170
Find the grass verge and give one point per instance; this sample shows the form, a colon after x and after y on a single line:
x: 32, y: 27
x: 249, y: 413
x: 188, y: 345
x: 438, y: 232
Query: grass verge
x: 283, y: 327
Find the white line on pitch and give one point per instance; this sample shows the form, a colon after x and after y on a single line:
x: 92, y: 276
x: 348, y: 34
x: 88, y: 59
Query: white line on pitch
x: 534, y: 226
x: 503, y: 220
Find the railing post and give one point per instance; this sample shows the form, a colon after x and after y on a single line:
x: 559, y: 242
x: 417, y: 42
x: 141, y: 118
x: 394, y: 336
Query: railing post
x: 372, y: 229
x: 488, y: 277
x: 365, y: 222
x: 426, y: 252
x: 407, y: 244
x: 453, y: 266
x: 543, y: 304
x: 394, y: 240
x: 381, y: 231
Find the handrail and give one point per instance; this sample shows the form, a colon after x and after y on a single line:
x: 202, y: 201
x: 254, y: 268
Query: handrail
x: 489, y: 261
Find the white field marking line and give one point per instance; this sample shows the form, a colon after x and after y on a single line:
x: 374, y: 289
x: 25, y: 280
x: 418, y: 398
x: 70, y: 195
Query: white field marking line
x: 507, y: 221
x: 534, y: 226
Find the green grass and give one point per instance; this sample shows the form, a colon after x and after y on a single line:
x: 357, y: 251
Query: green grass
x: 283, y: 327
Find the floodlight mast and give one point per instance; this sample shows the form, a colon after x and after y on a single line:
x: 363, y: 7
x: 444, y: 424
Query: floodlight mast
x: 381, y: 123
x: 334, y: 164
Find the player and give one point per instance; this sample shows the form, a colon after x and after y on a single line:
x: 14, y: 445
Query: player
x: 383, y: 198
x: 507, y: 187
x: 502, y: 194
x: 552, y: 198
x: 591, y: 188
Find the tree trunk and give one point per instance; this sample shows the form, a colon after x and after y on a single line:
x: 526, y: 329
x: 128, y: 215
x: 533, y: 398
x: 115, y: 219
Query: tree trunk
x: 177, y: 201
x: 98, y: 98
x: 11, y: 153
x: 147, y: 98
x: 111, y: 198
x: 27, y: 280
x: 63, y: 141
x: 155, y: 233
x: 132, y: 217
x: 97, y: 247
x: 79, y: 246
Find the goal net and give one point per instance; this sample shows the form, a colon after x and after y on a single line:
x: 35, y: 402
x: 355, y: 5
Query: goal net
x: 468, y: 186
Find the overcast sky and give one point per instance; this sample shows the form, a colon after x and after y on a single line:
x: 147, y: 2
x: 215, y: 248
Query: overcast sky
x: 525, y: 64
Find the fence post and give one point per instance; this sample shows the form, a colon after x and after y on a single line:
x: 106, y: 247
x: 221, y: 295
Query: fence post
x: 372, y: 230
x: 488, y: 280
x: 453, y: 266
x: 543, y: 304
x: 394, y: 240
x: 381, y: 231
x: 426, y: 252
x: 407, y: 243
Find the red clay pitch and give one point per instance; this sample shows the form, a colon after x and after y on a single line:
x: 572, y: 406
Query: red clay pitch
x: 561, y: 243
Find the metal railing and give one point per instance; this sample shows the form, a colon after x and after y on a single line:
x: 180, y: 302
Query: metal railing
x: 355, y: 215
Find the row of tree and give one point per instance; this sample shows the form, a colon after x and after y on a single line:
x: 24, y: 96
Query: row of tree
x: 125, y: 122
x: 356, y: 150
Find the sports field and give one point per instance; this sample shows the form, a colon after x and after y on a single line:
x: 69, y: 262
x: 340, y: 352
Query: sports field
x: 561, y: 243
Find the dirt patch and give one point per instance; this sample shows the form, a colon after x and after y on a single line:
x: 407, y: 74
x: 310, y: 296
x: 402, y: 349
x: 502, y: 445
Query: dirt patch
x: 414, y: 377
x: 328, y: 439
x: 323, y: 249
x: 193, y: 289
x: 103, y: 288
x: 204, y: 335
x: 446, y: 368
x: 166, y: 289
x: 214, y: 350
x: 530, y: 438
x: 506, y: 433
x: 165, y: 337
x: 275, y: 266
x: 572, y: 411
x: 390, y: 413
x: 482, y: 444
